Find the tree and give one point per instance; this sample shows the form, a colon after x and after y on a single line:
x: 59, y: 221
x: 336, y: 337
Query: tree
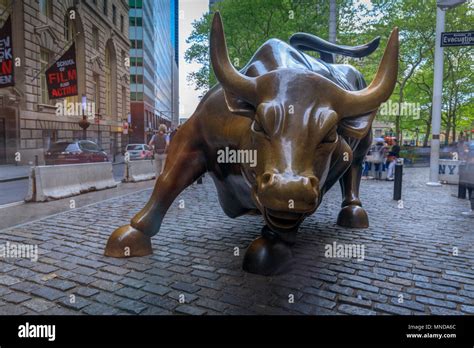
x: 249, y: 23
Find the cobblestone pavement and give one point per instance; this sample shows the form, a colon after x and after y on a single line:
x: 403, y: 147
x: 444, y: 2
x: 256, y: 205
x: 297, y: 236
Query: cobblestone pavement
x: 419, y: 259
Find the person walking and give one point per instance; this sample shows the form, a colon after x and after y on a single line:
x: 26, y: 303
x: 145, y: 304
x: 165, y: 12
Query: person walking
x: 378, y: 157
x: 393, y: 155
x: 160, y: 142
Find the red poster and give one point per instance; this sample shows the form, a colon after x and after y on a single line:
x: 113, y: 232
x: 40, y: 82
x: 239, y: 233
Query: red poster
x: 61, y: 77
x: 6, y: 55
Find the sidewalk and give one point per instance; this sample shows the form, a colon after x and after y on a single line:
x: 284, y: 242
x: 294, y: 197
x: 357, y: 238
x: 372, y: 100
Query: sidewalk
x: 418, y: 259
x: 11, y: 172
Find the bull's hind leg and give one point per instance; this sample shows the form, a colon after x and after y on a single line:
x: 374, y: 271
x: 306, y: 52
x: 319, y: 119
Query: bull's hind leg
x: 352, y: 214
x: 184, y: 164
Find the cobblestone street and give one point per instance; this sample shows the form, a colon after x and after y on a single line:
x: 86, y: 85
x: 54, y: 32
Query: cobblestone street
x: 419, y: 259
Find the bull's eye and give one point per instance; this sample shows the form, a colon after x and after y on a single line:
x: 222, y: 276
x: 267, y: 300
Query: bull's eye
x: 257, y: 127
x: 331, y: 137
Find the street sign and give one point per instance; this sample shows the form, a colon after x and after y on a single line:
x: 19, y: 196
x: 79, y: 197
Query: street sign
x: 457, y: 38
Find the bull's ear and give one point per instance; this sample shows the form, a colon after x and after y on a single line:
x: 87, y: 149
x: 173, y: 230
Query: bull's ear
x: 239, y: 106
x: 358, y: 126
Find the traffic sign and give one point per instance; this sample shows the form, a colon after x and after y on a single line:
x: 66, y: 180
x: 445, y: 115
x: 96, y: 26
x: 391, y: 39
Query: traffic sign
x: 457, y: 38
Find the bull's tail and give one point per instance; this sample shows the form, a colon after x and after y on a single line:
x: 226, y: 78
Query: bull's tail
x: 308, y: 42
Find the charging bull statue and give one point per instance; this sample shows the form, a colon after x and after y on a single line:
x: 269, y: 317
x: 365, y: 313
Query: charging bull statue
x: 309, y: 122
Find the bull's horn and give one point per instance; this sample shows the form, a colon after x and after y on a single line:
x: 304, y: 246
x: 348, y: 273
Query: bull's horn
x: 231, y: 80
x: 370, y: 98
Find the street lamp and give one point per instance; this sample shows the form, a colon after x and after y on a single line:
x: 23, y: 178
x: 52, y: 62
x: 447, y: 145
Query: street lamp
x: 417, y: 131
x: 441, y: 7
x: 84, y: 123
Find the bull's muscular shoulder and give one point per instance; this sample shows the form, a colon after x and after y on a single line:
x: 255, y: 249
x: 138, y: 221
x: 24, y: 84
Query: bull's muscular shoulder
x: 276, y: 54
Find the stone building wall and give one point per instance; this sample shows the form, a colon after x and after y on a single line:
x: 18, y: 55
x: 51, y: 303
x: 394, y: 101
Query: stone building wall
x: 38, y: 122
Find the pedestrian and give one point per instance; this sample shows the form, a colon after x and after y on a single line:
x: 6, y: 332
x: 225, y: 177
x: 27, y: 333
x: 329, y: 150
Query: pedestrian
x: 378, y: 157
x: 173, y: 133
x: 160, y: 142
x: 392, y: 157
x: 367, y: 166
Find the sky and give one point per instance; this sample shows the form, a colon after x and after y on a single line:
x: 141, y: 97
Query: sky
x: 189, y: 11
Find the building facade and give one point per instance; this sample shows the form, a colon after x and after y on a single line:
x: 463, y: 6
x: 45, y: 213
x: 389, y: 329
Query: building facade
x: 42, y: 31
x: 153, y: 67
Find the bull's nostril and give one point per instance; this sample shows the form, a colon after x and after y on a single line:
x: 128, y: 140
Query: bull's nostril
x: 267, y: 178
x: 310, y: 181
x: 313, y: 181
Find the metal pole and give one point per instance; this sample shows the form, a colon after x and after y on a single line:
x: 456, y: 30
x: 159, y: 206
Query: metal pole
x: 397, y: 183
x: 437, y: 100
x: 332, y: 21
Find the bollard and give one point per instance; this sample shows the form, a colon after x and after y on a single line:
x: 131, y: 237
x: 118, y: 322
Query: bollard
x: 472, y: 200
x: 397, y: 183
x: 461, y: 186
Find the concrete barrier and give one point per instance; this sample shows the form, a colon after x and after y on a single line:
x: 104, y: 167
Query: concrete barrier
x: 139, y: 170
x: 55, y: 182
x: 449, y: 171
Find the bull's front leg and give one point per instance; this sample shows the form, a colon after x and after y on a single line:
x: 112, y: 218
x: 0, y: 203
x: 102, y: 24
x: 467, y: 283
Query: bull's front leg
x: 185, y: 163
x: 352, y: 214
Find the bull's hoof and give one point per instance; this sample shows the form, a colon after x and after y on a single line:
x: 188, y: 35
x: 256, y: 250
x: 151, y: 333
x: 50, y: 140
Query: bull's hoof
x: 127, y: 241
x: 353, y: 216
x: 267, y: 256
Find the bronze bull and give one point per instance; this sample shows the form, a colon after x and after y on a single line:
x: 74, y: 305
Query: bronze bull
x: 310, y: 124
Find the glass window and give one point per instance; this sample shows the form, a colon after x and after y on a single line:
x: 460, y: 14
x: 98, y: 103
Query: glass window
x: 108, y: 83
x: 136, y: 96
x: 134, y: 147
x: 95, y: 37
x: 136, y: 61
x: 95, y: 92
x: 70, y: 33
x: 138, y: 44
x: 124, y: 102
x: 136, y: 79
x: 46, y: 8
x: 72, y: 148
x: 59, y: 147
x: 136, y: 21
x: 114, y: 14
x: 44, y: 61
x: 135, y: 3
x: 121, y: 23
x: 105, y: 7
x: 88, y: 146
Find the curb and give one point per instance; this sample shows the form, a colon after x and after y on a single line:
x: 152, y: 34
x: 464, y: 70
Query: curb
x: 14, y: 179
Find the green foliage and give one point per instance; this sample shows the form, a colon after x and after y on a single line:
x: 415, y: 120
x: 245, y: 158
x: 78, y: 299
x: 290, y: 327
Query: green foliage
x: 249, y: 23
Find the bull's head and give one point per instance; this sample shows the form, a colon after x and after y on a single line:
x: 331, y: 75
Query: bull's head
x: 296, y: 115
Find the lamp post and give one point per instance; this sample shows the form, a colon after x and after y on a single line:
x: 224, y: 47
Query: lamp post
x: 97, y: 120
x: 84, y: 123
x: 441, y: 7
x: 417, y: 132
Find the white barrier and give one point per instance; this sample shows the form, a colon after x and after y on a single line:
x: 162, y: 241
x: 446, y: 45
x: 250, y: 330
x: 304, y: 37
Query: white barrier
x: 60, y: 181
x: 449, y: 171
x: 139, y: 170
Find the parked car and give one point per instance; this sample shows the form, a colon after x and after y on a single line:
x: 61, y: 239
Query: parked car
x: 74, y: 152
x: 139, y: 152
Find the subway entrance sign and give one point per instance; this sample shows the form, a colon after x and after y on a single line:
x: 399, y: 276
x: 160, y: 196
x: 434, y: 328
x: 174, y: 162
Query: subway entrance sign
x: 457, y: 38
